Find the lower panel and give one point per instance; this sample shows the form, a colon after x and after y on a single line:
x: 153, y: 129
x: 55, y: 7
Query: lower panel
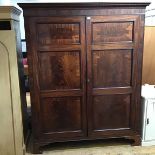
x: 110, y: 112
x: 61, y: 114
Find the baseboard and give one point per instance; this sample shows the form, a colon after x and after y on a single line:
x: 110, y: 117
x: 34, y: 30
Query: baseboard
x: 148, y: 143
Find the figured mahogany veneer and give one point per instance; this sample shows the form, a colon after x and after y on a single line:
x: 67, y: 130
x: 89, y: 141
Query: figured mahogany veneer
x: 85, y: 62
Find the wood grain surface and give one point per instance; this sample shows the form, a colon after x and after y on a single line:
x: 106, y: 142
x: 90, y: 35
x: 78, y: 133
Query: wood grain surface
x: 85, y: 65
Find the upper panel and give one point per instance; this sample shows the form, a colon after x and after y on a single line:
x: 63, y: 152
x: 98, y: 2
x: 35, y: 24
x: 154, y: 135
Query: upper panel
x: 57, y: 34
x: 112, y: 32
x: 53, y: 33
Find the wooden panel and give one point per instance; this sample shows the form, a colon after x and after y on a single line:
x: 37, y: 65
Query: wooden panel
x: 6, y: 116
x: 61, y: 114
x: 11, y: 130
x: 112, y: 68
x: 58, y: 33
x: 112, y: 32
x: 149, y: 56
x: 60, y: 70
x: 111, y: 111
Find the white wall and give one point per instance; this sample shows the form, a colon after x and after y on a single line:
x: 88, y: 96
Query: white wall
x: 150, y: 15
x: 150, y: 20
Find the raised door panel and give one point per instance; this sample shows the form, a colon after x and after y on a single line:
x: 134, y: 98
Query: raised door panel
x: 108, y: 111
x: 111, y: 68
x: 63, y: 113
x: 112, y: 32
x: 59, y: 73
x: 62, y: 70
x: 59, y: 33
x: 112, y: 43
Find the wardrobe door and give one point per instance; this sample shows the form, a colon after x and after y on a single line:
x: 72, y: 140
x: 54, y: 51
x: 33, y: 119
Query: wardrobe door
x: 57, y: 66
x: 112, y: 56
